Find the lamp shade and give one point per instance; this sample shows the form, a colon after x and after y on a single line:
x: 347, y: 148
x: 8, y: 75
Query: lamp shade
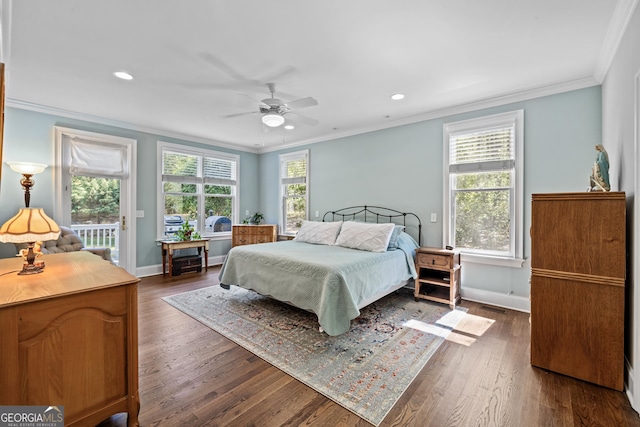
x: 26, y: 168
x: 272, y: 120
x: 29, y: 225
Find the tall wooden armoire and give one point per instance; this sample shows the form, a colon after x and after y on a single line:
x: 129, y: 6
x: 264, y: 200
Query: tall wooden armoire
x: 578, y: 266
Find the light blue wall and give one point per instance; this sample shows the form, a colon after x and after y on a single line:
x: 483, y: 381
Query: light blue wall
x: 29, y: 136
x: 402, y: 168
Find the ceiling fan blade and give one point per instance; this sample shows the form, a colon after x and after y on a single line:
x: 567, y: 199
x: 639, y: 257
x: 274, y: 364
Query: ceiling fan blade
x: 230, y: 116
x: 260, y: 103
x: 302, y: 119
x: 227, y: 69
x: 302, y: 103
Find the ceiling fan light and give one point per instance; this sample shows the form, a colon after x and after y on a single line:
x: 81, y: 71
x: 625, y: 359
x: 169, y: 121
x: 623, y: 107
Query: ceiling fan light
x: 272, y: 120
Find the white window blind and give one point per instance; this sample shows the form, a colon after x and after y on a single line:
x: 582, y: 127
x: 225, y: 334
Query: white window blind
x: 219, y: 171
x: 486, y: 150
x: 294, y: 170
x: 96, y: 159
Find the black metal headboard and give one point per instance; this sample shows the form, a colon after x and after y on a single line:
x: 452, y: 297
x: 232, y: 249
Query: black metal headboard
x: 377, y: 213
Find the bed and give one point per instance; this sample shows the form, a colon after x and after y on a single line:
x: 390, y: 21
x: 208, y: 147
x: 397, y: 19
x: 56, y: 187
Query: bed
x: 332, y: 268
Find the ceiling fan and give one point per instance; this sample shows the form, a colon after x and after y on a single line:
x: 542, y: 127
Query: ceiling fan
x: 275, y: 112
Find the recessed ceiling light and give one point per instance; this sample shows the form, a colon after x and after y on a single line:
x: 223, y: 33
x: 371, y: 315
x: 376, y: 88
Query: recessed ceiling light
x: 289, y: 127
x: 397, y: 96
x: 123, y: 75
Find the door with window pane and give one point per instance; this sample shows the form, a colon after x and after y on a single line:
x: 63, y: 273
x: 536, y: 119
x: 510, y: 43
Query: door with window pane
x: 97, y: 192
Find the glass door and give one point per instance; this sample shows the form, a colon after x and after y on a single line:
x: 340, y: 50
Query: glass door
x: 95, y: 212
x: 96, y: 191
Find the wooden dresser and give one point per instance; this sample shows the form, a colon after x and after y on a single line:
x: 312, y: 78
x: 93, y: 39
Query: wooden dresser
x: 578, y: 266
x: 70, y: 337
x: 251, y: 234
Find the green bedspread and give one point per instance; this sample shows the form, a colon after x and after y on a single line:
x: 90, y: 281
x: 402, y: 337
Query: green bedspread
x: 330, y: 281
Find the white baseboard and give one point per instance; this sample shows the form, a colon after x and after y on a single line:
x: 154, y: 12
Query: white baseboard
x: 154, y: 270
x: 497, y: 299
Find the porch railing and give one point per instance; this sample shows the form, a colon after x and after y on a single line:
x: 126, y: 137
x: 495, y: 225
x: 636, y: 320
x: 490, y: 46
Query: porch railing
x: 99, y: 236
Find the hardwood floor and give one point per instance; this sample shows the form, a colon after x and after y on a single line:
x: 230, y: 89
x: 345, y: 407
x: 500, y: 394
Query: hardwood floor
x: 192, y: 376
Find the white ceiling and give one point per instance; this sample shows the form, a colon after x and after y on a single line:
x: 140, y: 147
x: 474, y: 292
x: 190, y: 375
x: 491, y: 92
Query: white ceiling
x: 197, y: 60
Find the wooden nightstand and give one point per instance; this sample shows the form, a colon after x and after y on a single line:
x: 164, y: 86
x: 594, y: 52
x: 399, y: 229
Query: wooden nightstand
x: 438, y: 275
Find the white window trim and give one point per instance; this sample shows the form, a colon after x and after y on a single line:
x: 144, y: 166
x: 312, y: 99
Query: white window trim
x: 518, y: 232
x: 287, y: 157
x: 162, y: 145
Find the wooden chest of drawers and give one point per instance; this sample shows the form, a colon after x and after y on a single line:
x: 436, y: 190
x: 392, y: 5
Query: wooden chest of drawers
x: 252, y: 234
x: 70, y: 337
x: 578, y: 280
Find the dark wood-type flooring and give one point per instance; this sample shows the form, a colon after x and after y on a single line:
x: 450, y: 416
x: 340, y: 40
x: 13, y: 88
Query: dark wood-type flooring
x: 192, y: 376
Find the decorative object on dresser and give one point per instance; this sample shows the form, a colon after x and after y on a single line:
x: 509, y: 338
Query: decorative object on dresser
x: 70, y: 338
x: 255, y: 219
x: 438, y: 275
x: 599, y: 180
x: 29, y: 225
x: 578, y: 267
x: 247, y: 234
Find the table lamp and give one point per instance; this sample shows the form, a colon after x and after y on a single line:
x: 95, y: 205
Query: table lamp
x: 30, y: 225
x: 27, y: 170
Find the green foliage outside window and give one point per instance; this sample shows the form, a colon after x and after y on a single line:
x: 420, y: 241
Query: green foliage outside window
x: 95, y: 200
x: 482, y: 211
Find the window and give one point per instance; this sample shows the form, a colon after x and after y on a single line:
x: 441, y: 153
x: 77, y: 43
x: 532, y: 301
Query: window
x: 198, y: 187
x: 294, y: 190
x: 483, y: 187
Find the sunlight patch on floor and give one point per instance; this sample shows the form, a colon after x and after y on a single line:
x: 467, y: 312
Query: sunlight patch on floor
x: 456, y: 326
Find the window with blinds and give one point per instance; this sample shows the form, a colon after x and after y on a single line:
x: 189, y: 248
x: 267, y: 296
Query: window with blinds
x: 294, y: 189
x: 484, y: 185
x: 199, y: 187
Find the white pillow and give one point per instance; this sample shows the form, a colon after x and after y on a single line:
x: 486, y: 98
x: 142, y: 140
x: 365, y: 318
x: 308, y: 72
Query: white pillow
x: 366, y: 237
x: 321, y: 233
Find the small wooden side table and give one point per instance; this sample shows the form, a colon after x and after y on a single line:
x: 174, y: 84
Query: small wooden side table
x: 438, y: 275
x: 169, y: 246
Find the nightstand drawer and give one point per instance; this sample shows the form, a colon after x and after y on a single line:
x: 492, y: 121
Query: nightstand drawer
x: 434, y: 260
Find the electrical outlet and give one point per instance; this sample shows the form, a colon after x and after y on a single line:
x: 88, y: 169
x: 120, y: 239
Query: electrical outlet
x: 434, y: 217
x: 246, y: 212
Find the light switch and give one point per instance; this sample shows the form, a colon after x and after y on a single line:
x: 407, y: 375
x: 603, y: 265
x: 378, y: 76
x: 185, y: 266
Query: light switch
x: 317, y: 214
x: 139, y: 214
x: 434, y: 217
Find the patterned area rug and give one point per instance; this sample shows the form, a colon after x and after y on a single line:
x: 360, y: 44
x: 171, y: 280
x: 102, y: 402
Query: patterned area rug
x: 366, y: 370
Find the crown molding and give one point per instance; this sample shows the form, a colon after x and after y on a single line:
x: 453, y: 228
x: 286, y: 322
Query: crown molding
x: 162, y: 133
x: 450, y: 111
x: 622, y: 15
x: 430, y: 115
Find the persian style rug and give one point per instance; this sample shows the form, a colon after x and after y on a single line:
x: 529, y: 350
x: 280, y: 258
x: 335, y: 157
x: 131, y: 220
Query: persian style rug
x: 365, y: 370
